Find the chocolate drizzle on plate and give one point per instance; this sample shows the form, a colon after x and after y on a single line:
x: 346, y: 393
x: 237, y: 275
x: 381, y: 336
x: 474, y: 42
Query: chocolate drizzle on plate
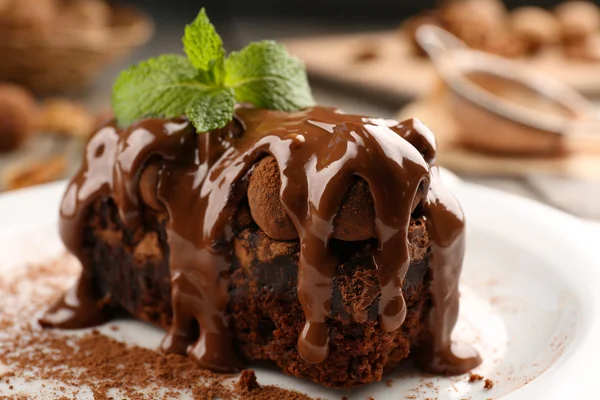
x: 200, y: 181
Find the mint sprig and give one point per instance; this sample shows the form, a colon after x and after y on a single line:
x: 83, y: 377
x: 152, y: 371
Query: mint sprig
x: 202, y: 43
x: 264, y: 74
x: 205, y: 85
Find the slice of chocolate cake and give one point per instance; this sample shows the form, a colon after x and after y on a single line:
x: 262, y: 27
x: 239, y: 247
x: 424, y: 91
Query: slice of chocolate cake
x: 319, y: 241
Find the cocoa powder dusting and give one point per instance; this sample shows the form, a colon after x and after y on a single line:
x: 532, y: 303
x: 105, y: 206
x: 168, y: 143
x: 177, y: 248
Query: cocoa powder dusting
x: 91, y: 363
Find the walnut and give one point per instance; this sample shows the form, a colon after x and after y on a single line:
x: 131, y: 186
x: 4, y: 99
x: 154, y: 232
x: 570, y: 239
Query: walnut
x: 65, y: 117
x: 17, y: 116
x: 578, y: 20
x: 536, y: 27
x: 35, y: 172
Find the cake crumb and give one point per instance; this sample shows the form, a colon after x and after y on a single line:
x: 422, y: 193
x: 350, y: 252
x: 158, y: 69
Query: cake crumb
x: 475, y: 378
x: 488, y: 384
x: 247, y: 381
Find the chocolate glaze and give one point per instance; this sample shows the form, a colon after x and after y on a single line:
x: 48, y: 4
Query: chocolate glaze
x: 200, y: 181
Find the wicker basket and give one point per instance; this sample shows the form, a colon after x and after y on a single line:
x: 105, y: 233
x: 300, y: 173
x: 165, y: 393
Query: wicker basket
x: 69, y: 59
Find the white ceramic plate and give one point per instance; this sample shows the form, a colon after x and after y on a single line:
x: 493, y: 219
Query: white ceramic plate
x: 529, y: 303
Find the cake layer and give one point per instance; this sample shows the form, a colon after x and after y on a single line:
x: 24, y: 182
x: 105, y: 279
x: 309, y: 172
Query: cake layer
x: 130, y: 269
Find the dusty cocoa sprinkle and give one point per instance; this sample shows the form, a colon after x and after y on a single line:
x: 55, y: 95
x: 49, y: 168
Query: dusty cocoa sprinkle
x: 97, y: 361
x: 274, y: 393
x: 488, y: 384
x: 475, y: 378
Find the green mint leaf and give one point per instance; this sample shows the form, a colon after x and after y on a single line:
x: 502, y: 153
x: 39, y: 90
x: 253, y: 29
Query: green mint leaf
x: 217, y: 70
x: 205, y: 85
x: 266, y: 75
x: 202, y: 43
x: 164, y: 86
x: 215, y: 74
x: 212, y: 110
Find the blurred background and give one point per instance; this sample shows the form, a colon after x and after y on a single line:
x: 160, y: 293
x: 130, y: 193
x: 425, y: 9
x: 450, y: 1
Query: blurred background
x: 527, y: 134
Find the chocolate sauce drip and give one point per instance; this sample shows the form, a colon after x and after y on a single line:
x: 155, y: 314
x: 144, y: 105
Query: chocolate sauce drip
x: 446, y: 229
x: 319, y: 151
x: 81, y: 305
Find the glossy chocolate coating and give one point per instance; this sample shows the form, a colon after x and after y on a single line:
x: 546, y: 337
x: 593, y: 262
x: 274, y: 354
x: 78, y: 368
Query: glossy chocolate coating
x: 319, y: 153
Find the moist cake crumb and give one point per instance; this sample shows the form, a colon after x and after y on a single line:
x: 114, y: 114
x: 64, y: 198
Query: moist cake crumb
x: 475, y: 378
x: 247, y: 381
x: 488, y: 384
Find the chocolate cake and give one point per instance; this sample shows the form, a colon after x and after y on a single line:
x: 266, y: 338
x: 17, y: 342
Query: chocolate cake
x: 322, y: 242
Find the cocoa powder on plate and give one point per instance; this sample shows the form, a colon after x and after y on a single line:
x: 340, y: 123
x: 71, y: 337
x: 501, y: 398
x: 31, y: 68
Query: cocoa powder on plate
x: 92, y: 360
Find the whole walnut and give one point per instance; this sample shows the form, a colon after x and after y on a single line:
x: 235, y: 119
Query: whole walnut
x: 17, y: 116
x: 35, y: 16
x: 65, y: 117
x: 536, y: 27
x: 578, y: 20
